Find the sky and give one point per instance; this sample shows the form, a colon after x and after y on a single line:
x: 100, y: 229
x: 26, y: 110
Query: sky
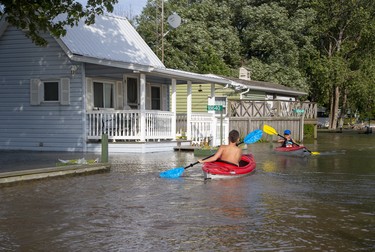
x: 126, y: 7
x: 135, y: 6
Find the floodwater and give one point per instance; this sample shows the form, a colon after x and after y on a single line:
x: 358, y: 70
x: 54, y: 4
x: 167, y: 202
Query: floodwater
x: 324, y: 202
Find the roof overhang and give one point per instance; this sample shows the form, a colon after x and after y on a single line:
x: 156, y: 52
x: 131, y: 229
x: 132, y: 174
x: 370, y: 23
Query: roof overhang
x: 196, y: 78
x: 277, y: 90
x: 103, y: 62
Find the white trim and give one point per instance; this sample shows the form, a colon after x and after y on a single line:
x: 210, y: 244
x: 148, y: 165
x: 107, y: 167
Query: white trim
x: 174, y: 107
x: 188, y: 110
x: 142, y: 85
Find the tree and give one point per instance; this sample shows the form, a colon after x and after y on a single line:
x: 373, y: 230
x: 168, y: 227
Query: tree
x: 326, y: 47
x: 339, y: 35
x: 37, y: 17
x: 206, y: 41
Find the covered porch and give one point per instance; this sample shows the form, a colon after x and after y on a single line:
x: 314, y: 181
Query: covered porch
x: 135, y: 123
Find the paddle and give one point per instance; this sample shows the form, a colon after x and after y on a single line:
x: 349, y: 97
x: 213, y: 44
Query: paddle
x: 177, y: 172
x: 271, y: 131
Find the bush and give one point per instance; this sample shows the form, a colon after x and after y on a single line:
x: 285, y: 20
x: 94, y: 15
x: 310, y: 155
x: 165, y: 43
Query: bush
x: 308, y: 131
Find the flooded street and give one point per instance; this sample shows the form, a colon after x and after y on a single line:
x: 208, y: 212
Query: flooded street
x: 323, y: 202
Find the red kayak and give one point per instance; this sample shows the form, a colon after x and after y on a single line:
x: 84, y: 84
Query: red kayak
x: 224, y: 170
x: 296, y: 151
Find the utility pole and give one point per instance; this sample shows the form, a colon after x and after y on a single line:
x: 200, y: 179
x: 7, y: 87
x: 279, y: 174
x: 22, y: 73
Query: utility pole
x: 162, y: 31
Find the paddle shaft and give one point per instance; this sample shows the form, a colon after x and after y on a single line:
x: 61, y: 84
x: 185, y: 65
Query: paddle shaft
x: 191, y: 165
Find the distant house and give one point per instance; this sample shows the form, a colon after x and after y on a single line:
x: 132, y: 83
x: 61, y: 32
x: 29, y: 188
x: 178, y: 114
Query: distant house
x: 245, y: 89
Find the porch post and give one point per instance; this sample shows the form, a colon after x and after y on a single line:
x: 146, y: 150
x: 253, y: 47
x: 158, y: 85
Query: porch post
x: 188, y: 111
x: 174, y: 108
x: 212, y: 112
x: 142, y: 107
x: 212, y: 100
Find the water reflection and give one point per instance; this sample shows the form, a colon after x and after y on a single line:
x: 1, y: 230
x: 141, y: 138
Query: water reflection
x: 323, y: 203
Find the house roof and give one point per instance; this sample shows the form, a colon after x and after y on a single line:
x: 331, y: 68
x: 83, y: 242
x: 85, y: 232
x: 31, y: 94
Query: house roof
x: 111, y: 40
x: 237, y: 84
x: 267, y: 86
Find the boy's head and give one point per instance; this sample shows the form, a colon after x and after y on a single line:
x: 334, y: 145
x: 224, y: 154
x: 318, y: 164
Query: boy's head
x: 234, y: 136
x: 287, y: 132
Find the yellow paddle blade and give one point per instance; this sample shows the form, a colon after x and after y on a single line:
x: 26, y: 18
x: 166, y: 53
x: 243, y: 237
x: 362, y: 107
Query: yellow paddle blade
x: 315, y: 153
x: 269, y: 130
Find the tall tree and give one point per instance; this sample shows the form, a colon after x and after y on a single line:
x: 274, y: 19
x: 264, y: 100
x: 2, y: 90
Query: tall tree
x: 36, y: 17
x: 339, y: 28
x: 206, y: 41
x: 275, y: 39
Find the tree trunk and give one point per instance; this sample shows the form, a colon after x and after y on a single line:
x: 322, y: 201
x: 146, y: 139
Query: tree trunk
x: 343, y: 108
x: 336, y: 98
x: 330, y: 118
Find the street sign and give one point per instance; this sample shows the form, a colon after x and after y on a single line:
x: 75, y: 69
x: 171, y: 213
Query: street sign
x: 214, y: 107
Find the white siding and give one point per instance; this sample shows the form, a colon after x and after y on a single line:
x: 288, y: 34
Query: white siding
x: 47, y: 126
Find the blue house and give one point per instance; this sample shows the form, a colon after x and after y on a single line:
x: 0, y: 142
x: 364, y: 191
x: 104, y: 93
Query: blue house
x: 97, y: 79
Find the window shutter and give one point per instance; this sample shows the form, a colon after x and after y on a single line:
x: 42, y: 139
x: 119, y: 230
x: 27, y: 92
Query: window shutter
x: 35, y: 91
x: 164, y: 98
x: 89, y: 94
x: 120, y: 95
x: 148, y: 96
x: 65, y: 91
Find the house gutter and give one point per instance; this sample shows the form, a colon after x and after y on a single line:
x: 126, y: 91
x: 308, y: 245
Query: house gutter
x: 241, y: 94
x: 280, y: 91
x: 178, y: 74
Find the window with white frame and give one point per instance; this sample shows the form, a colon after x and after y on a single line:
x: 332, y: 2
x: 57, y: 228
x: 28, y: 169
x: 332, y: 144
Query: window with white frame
x: 47, y: 91
x: 104, y: 94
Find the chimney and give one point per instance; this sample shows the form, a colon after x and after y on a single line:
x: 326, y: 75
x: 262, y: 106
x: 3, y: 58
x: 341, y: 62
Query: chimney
x: 244, y: 74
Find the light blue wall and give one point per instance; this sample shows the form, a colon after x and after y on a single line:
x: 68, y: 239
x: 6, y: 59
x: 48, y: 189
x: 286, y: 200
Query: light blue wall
x: 45, y: 127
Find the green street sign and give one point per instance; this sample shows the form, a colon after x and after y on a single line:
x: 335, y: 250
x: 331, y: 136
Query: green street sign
x: 214, y: 107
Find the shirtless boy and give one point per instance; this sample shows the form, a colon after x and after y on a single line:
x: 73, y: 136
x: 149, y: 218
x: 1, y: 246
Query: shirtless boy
x: 230, y: 153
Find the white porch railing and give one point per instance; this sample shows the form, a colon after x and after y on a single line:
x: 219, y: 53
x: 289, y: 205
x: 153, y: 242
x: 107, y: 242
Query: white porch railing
x: 125, y: 124
x: 205, y: 127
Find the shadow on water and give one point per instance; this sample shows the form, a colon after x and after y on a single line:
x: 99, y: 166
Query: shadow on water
x: 324, y: 202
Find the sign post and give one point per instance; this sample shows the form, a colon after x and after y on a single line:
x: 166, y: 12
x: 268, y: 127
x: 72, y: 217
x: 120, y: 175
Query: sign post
x: 218, y: 108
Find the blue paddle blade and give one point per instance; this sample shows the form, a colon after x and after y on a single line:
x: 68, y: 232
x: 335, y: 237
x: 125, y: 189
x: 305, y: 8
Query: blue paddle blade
x: 253, y: 136
x: 173, y: 173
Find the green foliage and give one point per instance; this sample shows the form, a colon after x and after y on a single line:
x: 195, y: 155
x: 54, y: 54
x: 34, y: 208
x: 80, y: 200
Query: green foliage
x: 308, y: 131
x: 314, y: 46
x: 37, y: 17
x: 206, y: 41
x: 344, y: 36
